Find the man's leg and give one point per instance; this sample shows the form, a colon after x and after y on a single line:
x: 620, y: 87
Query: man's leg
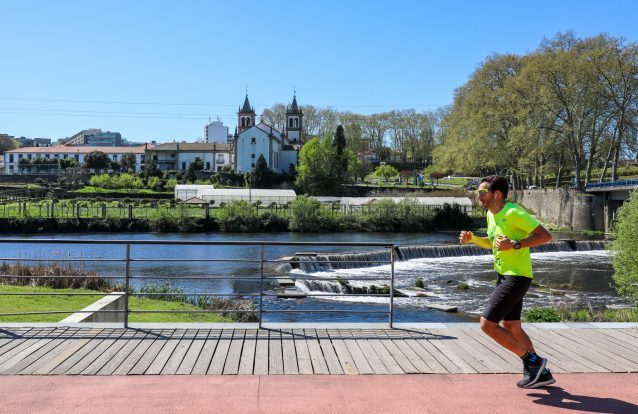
x: 504, y: 337
x: 516, y: 329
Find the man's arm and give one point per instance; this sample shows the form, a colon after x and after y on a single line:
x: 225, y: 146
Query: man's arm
x: 469, y: 237
x: 538, y: 236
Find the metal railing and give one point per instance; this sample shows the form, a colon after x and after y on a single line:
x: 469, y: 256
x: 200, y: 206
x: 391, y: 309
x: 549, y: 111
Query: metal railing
x: 128, y: 276
x: 612, y: 184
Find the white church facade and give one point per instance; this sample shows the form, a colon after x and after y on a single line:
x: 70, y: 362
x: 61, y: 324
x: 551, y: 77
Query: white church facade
x: 279, y: 148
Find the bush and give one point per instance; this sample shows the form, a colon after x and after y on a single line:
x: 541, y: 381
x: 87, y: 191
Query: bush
x: 419, y: 283
x: 238, y: 216
x: 625, y: 249
x: 305, y: 215
x: 542, y: 315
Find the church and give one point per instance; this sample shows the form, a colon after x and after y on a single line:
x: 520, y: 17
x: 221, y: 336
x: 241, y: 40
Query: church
x: 279, y: 148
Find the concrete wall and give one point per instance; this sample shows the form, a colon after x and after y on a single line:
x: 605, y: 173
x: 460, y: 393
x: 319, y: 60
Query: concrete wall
x: 564, y: 207
x: 112, y: 301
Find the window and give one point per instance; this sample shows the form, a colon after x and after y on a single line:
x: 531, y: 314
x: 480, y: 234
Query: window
x: 47, y: 156
x: 252, y: 140
x: 183, y: 165
x: 56, y: 156
x: 77, y: 157
x: 219, y: 169
x: 154, y: 157
x: 142, y: 159
x: 29, y: 156
x: 208, y: 165
x: 114, y: 157
x: 65, y: 156
x: 252, y: 155
x: 252, y: 165
x: 10, y: 157
x: 290, y: 122
x: 220, y: 158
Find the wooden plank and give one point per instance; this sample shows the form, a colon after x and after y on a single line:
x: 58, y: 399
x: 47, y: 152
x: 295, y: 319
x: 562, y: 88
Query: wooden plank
x: 23, y: 343
x: 167, y: 350
x: 303, y: 354
x: 319, y: 365
x: 95, y: 353
x: 188, y: 363
x: 360, y: 361
x: 345, y: 359
x: 573, y: 350
x: 65, y: 350
x: 10, y: 336
x: 332, y: 361
x: 118, y: 358
x: 386, y: 358
x: 396, y: 353
x: 221, y: 352
x: 29, y: 348
x: 141, y: 350
x: 46, y: 353
x: 175, y: 360
x: 624, y: 344
x: 206, y: 355
x: 231, y: 367
x: 30, y: 355
x: 109, y: 354
x: 368, y: 352
x: 510, y: 362
x: 261, y: 353
x: 547, y: 346
x: 275, y: 355
x: 247, y: 361
x: 82, y: 352
x: 445, y: 344
x: 414, y: 358
x: 493, y: 363
x: 600, y: 352
x: 152, y: 352
x: 289, y: 353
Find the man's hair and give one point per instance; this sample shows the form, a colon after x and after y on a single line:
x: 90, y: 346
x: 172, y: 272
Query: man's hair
x: 496, y: 182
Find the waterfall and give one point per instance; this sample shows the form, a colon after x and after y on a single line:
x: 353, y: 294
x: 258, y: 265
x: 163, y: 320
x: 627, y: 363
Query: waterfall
x: 327, y: 262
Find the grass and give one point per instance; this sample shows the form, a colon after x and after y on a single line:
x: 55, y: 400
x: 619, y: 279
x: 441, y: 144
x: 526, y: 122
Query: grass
x: 91, y: 189
x: 17, y: 304
x: 581, y: 315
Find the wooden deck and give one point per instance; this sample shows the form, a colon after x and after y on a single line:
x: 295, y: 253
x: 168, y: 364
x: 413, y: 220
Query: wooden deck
x: 113, y: 351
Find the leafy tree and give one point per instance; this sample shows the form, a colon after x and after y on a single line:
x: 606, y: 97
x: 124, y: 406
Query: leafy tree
x: 7, y: 144
x: 96, y: 160
x: 319, y: 167
x: 340, y: 140
x: 386, y: 171
x: 260, y: 177
x: 196, y: 165
x: 68, y: 163
x: 115, y: 166
x: 152, y: 170
x: 128, y: 162
x: 625, y: 248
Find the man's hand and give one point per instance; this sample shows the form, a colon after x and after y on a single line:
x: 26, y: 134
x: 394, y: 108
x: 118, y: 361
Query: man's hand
x: 466, y: 237
x: 504, y: 243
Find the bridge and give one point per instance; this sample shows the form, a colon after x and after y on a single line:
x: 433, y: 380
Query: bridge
x: 614, y: 194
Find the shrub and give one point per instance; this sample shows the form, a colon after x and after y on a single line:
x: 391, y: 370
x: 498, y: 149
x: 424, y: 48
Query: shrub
x: 305, y: 215
x: 625, y: 249
x: 542, y: 315
x: 419, y: 283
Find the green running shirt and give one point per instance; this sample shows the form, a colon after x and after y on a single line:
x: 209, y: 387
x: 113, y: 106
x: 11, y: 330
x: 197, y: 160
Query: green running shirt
x: 515, y: 223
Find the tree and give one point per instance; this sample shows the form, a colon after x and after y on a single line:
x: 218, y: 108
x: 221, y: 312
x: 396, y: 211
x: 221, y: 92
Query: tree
x: 625, y: 248
x: 7, y: 144
x: 196, y: 165
x: 151, y: 170
x: 96, y: 160
x: 319, y: 167
x: 128, y: 162
x: 261, y: 174
x: 386, y: 171
x: 340, y: 140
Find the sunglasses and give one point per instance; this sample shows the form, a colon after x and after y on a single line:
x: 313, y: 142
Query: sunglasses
x: 482, y: 191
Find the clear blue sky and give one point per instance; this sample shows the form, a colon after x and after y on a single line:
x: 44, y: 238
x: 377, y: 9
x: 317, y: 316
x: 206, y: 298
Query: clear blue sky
x: 156, y: 70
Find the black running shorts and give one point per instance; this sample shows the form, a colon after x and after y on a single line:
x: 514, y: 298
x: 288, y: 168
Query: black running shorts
x: 506, y: 302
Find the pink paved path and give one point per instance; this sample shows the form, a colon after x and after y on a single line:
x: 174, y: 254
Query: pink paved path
x: 594, y: 393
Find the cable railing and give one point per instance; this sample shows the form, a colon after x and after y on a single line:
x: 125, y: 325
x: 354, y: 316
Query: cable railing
x: 612, y: 184
x: 259, y: 270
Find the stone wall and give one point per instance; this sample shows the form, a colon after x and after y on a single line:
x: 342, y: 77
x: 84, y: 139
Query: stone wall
x: 564, y: 207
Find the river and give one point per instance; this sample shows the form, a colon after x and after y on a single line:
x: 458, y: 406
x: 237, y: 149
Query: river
x: 576, y: 279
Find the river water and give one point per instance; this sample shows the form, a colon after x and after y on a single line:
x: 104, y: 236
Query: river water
x: 577, y: 279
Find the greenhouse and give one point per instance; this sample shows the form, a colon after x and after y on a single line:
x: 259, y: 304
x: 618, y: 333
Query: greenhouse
x: 227, y: 195
x: 186, y: 191
x: 350, y: 204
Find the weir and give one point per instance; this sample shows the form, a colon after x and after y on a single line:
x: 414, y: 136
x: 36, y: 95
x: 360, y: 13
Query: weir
x: 320, y: 262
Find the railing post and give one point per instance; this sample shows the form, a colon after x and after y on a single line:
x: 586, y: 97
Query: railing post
x: 126, y: 287
x: 391, y: 286
x: 261, y: 283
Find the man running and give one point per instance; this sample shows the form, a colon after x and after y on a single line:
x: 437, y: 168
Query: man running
x: 511, y: 231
